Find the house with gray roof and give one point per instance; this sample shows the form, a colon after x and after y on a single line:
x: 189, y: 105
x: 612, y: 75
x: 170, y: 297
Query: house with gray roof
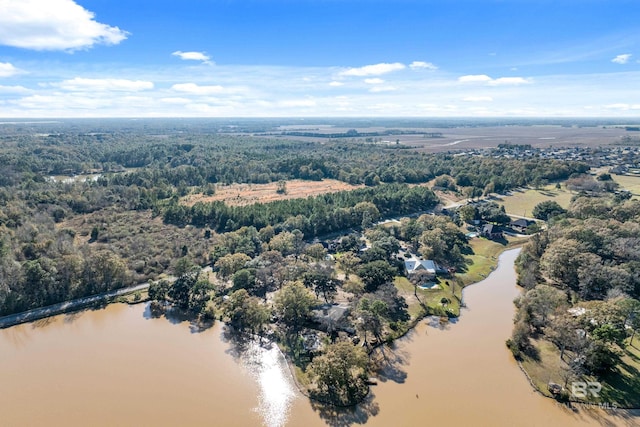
x: 415, y: 265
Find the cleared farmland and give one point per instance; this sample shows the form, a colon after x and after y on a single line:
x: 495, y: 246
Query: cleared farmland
x: 248, y: 194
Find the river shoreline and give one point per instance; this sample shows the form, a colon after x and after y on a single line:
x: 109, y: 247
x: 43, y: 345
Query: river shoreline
x: 414, y: 323
x: 459, y: 374
x: 67, y: 306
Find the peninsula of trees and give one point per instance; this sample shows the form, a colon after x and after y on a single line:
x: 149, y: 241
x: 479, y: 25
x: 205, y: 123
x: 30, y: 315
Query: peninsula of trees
x: 88, y: 208
x: 580, y: 311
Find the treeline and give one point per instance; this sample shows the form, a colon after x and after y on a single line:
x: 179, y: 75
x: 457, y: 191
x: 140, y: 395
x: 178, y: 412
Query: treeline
x: 353, y: 133
x: 313, y: 216
x: 350, y: 163
x: 582, y: 284
x: 185, y: 160
x: 54, y: 233
x: 593, y: 251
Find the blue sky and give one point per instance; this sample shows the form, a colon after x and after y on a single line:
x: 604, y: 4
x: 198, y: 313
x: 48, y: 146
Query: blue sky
x: 269, y: 58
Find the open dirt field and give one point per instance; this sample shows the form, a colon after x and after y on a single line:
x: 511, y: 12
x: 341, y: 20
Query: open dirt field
x: 464, y: 138
x: 537, y: 136
x: 248, y: 194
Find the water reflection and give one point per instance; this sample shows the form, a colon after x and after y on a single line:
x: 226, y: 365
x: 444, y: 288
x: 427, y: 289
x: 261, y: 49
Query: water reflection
x: 276, y: 390
x: 267, y: 365
x: 110, y: 367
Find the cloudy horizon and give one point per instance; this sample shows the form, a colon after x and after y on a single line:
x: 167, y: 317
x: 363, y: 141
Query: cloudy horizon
x: 65, y: 58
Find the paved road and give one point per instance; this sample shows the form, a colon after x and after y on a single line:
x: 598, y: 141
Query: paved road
x: 63, y: 307
x: 524, y: 217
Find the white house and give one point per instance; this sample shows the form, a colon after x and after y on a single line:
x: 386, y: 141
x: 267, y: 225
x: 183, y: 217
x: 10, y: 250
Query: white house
x: 415, y: 265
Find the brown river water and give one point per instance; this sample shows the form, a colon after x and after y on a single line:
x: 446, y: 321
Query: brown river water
x: 118, y: 367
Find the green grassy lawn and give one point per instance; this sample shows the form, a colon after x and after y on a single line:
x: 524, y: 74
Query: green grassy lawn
x: 133, y: 297
x: 429, y: 297
x: 428, y: 301
x: 630, y: 183
x: 522, y: 202
x: 485, y: 257
x: 481, y: 263
x: 548, y: 367
x: 620, y: 387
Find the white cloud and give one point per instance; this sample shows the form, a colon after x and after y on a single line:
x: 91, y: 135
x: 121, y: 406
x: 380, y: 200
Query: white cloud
x: 80, y: 84
x: 474, y: 78
x: 336, y: 84
x: 176, y: 100
x: 13, y: 89
x: 422, y: 65
x: 204, y: 109
x: 622, y: 59
x: 622, y: 106
x: 501, y: 81
x: 478, y: 99
x: 384, y: 106
x: 508, y: 81
x: 204, y: 90
x: 373, y: 70
x: 288, y: 103
x: 374, y: 81
x: 63, y: 101
x: 53, y: 25
x: 268, y: 91
x: 195, y: 89
x: 8, y: 70
x: 429, y: 107
x: 193, y: 56
x: 378, y: 89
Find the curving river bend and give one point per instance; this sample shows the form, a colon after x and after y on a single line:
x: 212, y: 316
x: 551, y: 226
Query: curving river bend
x: 117, y: 366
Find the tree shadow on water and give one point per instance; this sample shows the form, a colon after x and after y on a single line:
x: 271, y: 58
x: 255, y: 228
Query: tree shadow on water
x: 603, y: 417
x: 238, y: 342
x: 176, y: 316
x: 41, y: 323
x: 244, y: 346
x: 388, y: 363
x: 72, y: 317
x: 440, y: 322
x: 350, y: 416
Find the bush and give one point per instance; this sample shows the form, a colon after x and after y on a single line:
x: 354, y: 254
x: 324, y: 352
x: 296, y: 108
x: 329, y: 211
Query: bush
x: 515, y: 350
x: 156, y: 308
x: 208, y: 314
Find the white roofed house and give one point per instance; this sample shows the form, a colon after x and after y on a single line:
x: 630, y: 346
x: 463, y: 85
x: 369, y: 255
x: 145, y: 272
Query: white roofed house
x: 417, y: 265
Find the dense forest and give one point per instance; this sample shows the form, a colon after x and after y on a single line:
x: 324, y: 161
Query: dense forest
x: 121, y: 221
x: 581, y: 286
